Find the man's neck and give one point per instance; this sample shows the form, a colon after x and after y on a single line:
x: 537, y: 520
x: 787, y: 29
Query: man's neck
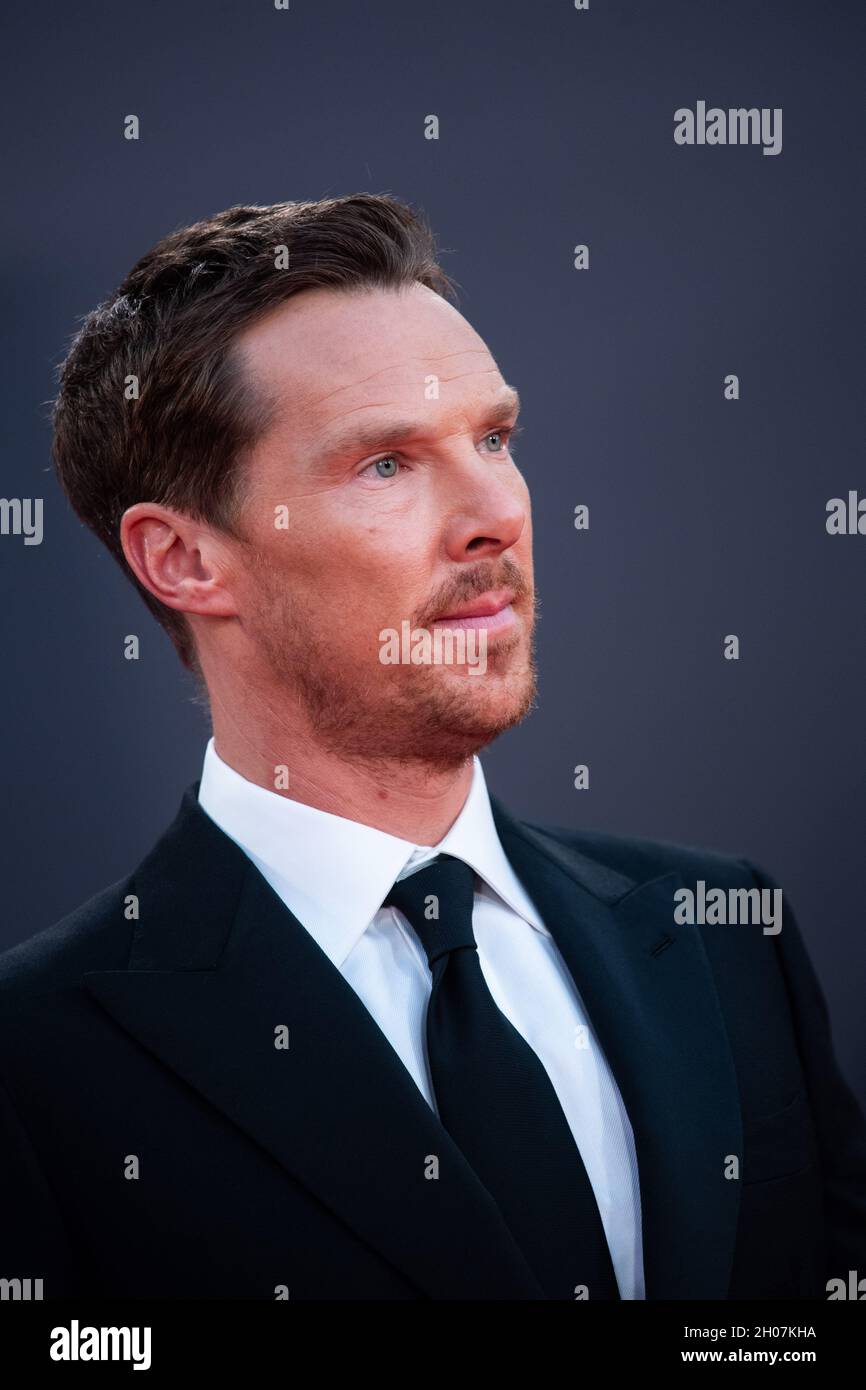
x: 413, y: 801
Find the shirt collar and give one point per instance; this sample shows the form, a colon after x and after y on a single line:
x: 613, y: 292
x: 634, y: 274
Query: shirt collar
x: 334, y: 873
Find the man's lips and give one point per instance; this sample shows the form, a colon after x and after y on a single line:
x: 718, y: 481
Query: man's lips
x: 492, y: 610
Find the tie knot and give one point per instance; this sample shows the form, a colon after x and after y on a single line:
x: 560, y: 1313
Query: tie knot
x: 438, y: 903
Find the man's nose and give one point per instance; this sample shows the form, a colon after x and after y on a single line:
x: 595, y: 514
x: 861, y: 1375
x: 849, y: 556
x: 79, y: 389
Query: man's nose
x: 489, y: 519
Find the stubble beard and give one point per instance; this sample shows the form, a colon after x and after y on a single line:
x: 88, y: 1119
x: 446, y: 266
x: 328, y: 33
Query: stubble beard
x: 433, y: 715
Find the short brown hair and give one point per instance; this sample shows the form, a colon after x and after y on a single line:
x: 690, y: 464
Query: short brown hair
x: 172, y: 324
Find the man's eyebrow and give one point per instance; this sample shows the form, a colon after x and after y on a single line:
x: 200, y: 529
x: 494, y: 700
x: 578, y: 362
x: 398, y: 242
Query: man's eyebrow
x: 360, y: 438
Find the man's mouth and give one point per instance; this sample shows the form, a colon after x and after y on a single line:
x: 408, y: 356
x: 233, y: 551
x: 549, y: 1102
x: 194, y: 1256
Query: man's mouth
x: 492, y: 610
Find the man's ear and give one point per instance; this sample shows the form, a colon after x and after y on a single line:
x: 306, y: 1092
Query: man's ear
x: 184, y: 563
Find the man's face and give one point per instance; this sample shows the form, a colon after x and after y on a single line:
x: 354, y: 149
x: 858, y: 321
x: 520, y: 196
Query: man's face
x: 389, y: 454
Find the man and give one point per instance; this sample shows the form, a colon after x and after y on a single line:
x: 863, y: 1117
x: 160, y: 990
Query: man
x: 352, y: 1031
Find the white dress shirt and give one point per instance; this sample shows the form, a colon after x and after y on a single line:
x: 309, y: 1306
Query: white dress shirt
x: 334, y: 874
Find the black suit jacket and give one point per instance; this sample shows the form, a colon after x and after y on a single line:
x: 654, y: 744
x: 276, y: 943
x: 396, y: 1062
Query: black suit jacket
x: 303, y: 1169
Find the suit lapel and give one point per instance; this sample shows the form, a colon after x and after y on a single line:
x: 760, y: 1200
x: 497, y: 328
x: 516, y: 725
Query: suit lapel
x: 218, y: 964
x: 650, y: 995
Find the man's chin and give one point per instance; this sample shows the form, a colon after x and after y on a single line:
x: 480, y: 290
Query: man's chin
x: 437, y: 715
x: 471, y: 712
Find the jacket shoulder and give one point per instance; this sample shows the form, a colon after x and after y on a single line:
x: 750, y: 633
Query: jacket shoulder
x: 641, y: 858
x: 95, y: 936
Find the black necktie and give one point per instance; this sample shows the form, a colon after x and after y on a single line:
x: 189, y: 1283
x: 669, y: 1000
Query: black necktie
x: 496, y: 1100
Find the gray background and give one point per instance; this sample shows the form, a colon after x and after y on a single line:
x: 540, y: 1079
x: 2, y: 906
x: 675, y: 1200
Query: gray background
x: 707, y: 517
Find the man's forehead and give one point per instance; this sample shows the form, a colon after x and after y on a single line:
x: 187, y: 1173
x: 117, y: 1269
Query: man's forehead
x: 410, y: 384
x: 328, y: 356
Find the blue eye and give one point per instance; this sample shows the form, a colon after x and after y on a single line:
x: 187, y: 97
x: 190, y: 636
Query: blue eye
x: 506, y: 438
x: 385, y: 467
